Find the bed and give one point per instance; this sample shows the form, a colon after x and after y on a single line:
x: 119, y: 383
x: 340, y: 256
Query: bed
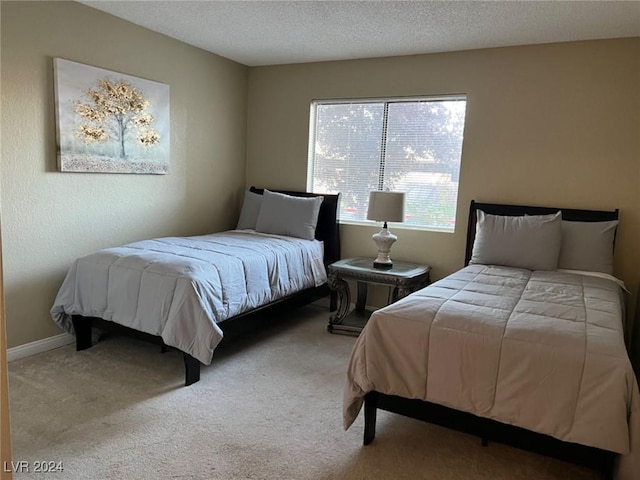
x: 531, y: 355
x: 187, y: 292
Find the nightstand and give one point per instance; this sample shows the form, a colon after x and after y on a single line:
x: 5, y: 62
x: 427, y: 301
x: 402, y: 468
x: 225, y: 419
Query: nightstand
x: 404, y: 277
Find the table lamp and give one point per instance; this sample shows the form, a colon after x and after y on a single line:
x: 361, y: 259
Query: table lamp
x: 385, y: 207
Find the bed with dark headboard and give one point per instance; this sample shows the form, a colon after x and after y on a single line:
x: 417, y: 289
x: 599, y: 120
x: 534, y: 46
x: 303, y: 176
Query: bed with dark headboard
x: 434, y: 397
x: 568, y: 214
x: 201, y: 274
x: 327, y: 230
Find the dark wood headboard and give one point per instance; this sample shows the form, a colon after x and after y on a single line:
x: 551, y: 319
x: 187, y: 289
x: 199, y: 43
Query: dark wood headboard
x: 328, y: 228
x: 570, y: 214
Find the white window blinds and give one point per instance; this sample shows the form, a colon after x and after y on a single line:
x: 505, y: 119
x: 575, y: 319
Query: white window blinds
x: 408, y: 145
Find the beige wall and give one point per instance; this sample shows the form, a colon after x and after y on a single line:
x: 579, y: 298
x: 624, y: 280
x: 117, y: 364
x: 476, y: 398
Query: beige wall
x: 50, y: 218
x: 553, y: 125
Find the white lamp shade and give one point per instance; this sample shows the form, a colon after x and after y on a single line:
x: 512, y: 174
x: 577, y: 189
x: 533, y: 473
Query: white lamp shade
x: 386, y: 206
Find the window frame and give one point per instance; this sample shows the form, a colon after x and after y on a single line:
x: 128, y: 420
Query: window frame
x: 386, y: 100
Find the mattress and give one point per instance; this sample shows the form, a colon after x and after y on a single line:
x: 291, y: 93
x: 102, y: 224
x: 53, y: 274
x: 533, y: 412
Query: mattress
x: 539, y: 350
x: 181, y: 288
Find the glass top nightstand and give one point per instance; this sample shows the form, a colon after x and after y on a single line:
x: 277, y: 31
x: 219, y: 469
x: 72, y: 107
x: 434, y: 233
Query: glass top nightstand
x: 404, y: 277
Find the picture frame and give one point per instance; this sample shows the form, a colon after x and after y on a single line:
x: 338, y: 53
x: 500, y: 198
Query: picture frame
x: 109, y: 122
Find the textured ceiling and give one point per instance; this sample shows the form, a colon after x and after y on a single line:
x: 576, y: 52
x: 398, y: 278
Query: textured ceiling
x: 278, y: 32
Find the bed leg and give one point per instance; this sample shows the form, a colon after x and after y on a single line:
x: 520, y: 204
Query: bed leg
x: 370, y: 408
x: 192, y: 369
x: 609, y: 467
x: 82, y: 328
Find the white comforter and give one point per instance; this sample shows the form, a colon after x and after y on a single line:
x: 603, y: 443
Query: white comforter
x: 539, y: 350
x: 180, y: 287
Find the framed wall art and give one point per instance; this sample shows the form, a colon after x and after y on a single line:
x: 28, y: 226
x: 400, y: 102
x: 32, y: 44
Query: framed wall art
x: 109, y: 122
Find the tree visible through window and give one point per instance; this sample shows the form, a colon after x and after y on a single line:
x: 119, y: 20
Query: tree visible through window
x: 407, y: 145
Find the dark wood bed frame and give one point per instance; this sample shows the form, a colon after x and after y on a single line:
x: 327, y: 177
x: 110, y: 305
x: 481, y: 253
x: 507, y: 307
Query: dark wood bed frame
x: 327, y: 230
x: 485, y: 428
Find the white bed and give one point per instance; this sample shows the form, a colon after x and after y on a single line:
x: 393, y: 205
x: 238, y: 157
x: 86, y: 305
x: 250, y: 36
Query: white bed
x: 179, y: 290
x: 542, y: 350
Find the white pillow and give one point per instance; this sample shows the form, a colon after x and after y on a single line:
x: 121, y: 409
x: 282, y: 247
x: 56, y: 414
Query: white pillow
x: 531, y: 241
x: 287, y: 215
x: 587, y: 246
x: 250, y: 210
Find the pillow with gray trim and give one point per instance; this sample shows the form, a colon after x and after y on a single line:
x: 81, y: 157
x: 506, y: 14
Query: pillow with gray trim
x: 250, y: 210
x: 532, y: 242
x: 288, y: 215
x: 587, y: 246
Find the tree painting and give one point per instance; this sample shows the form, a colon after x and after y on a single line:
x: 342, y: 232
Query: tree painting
x: 113, y: 110
x: 109, y: 122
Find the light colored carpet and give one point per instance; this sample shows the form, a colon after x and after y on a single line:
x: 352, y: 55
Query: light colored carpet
x: 269, y: 407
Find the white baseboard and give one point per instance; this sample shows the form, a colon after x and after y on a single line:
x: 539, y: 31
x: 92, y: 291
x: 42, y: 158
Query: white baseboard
x: 39, y: 346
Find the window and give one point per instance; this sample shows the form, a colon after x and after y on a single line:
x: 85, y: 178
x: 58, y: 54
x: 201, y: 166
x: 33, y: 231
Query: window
x: 411, y: 145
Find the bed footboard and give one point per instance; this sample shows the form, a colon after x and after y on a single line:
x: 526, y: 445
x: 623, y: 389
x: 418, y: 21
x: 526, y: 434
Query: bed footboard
x: 487, y: 430
x: 234, y: 326
x: 83, y: 327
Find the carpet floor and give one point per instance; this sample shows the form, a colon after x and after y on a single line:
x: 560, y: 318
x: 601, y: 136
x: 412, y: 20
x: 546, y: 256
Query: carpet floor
x: 268, y: 407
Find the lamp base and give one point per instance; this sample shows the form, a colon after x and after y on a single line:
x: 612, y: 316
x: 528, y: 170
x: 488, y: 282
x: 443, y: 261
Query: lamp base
x: 383, y: 265
x: 383, y: 240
